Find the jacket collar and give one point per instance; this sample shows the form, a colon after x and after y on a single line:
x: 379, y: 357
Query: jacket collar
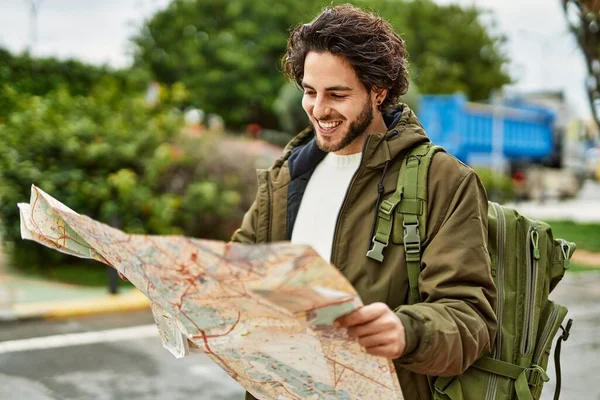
x: 404, y: 132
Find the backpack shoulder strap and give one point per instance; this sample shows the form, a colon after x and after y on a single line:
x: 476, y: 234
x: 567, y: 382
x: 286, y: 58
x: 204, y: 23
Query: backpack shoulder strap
x: 409, y: 200
x: 414, y: 210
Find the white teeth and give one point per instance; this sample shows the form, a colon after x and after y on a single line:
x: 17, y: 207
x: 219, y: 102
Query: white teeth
x: 329, y: 125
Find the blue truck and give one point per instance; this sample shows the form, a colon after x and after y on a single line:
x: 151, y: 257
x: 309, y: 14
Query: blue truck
x: 514, y: 135
x: 466, y: 129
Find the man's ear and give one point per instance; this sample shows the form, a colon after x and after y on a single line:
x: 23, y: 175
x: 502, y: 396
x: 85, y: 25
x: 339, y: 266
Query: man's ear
x: 379, y: 95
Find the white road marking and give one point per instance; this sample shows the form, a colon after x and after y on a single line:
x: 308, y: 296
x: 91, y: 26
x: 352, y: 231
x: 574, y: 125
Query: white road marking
x: 77, y: 339
x: 203, y: 369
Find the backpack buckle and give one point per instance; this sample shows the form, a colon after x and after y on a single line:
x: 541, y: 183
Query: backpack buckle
x: 536, y: 375
x: 376, y: 253
x: 412, y: 238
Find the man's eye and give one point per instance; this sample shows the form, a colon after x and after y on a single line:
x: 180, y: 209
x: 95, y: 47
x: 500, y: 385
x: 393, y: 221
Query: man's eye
x: 309, y: 93
x: 338, y: 96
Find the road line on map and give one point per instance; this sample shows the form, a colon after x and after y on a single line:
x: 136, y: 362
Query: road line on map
x: 77, y: 339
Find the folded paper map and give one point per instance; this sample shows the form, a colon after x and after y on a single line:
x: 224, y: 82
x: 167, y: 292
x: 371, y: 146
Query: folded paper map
x: 263, y: 313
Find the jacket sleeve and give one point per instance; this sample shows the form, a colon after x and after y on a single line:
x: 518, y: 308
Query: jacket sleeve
x: 456, y: 323
x: 247, y: 232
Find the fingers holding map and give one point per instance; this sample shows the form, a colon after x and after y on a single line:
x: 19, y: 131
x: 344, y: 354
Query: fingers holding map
x: 263, y: 313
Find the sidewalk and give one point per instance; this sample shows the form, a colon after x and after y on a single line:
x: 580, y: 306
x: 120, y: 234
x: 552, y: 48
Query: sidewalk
x: 584, y: 209
x: 24, y: 298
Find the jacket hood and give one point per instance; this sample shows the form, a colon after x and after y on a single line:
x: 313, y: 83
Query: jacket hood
x: 404, y: 131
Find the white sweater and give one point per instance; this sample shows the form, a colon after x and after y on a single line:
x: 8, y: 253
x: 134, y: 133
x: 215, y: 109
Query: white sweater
x: 322, y: 200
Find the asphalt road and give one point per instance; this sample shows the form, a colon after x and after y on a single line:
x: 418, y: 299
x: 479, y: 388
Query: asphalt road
x: 123, y: 369
x: 126, y: 360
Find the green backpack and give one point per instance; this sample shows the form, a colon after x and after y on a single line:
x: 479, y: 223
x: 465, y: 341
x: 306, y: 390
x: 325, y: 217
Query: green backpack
x: 527, y: 264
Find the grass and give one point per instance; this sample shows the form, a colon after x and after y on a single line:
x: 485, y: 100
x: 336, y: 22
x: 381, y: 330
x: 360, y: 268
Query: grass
x: 34, y: 261
x: 83, y: 274
x: 576, y: 268
x: 586, y: 236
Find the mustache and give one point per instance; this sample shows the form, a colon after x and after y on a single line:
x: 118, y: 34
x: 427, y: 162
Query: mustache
x: 330, y: 118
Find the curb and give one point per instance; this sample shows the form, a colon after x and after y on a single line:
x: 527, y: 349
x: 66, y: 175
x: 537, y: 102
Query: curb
x: 133, y: 300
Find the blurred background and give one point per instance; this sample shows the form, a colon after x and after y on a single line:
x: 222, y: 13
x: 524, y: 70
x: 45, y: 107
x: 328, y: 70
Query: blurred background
x: 152, y: 116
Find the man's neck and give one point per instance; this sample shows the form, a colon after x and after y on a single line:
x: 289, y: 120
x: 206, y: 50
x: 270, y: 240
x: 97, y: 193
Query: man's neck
x: 378, y: 125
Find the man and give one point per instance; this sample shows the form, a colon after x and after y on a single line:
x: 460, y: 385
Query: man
x: 326, y: 188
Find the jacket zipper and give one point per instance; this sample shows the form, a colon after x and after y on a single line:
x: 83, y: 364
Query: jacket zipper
x: 533, y: 255
x: 337, y: 222
x: 500, y: 243
x: 269, y: 207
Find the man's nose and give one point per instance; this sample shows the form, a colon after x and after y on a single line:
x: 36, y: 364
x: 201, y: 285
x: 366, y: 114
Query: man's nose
x: 321, y: 108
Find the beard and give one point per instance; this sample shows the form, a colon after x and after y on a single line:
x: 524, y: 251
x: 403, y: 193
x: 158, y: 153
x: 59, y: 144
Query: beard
x: 355, y: 130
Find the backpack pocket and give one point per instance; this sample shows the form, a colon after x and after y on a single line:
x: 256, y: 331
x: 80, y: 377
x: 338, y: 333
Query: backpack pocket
x: 551, y: 319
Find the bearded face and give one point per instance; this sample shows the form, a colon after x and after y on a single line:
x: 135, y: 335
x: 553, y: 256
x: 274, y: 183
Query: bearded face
x: 337, y: 104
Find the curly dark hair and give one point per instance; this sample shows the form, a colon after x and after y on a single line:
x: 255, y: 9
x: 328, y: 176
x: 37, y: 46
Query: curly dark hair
x: 368, y: 42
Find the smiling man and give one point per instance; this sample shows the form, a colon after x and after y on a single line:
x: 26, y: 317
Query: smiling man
x: 326, y: 189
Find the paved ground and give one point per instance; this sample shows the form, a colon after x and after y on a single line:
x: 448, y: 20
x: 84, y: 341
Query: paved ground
x: 126, y: 369
x: 580, y: 358
x: 119, y: 366
x: 585, y: 208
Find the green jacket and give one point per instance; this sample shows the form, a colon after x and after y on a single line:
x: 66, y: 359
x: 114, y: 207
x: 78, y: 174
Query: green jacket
x: 455, y: 323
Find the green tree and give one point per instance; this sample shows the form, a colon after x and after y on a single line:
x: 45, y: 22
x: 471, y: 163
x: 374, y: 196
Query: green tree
x: 38, y: 76
x: 227, y: 52
x: 451, y: 48
x: 583, y: 17
x: 26, y: 74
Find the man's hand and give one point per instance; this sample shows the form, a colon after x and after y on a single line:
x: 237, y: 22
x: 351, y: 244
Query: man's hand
x: 377, y: 329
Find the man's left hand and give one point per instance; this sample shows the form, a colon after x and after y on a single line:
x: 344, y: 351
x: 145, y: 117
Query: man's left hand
x: 377, y: 328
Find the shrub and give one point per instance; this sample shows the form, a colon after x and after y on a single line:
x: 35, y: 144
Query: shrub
x: 499, y: 187
x: 112, y: 157
x: 288, y: 108
x: 38, y: 76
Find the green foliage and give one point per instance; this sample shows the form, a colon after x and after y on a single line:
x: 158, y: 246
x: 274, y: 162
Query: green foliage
x: 583, y: 19
x: 38, y: 76
x: 411, y: 98
x: 227, y: 52
x: 41, y: 75
x: 117, y: 160
x: 215, y: 182
x: 451, y: 49
x: 288, y: 108
x: 77, y: 272
x: 499, y: 187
